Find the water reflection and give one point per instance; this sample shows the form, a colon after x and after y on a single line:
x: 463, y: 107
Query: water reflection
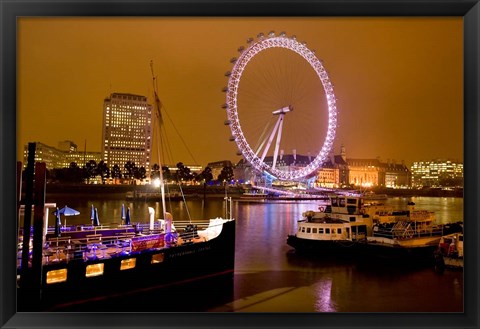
x: 270, y: 277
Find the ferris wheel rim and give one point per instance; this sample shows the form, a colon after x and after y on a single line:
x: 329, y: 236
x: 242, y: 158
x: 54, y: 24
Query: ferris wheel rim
x: 234, y: 77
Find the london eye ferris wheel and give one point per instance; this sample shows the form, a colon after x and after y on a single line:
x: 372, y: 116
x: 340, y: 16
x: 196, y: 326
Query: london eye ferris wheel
x: 280, y: 100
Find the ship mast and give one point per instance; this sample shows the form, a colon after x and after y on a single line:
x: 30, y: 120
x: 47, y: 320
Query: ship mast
x: 157, y: 126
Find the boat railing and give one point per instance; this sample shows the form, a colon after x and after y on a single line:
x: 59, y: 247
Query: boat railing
x: 403, y: 230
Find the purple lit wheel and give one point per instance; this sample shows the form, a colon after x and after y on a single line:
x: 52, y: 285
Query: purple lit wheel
x: 283, y: 94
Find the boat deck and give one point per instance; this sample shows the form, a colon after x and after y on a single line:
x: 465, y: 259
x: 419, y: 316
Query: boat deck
x: 94, y: 246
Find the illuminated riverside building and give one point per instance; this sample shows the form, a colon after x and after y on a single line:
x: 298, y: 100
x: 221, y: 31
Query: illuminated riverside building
x: 341, y: 171
x: 437, y: 173
x: 127, y: 130
x: 60, y: 157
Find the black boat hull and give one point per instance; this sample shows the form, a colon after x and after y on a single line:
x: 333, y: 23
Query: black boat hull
x: 328, y: 247
x: 173, y: 266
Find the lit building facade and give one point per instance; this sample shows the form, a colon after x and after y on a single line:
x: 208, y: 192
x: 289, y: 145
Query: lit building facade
x: 56, y: 158
x: 328, y: 176
x: 127, y: 130
x: 437, y: 173
x: 363, y: 173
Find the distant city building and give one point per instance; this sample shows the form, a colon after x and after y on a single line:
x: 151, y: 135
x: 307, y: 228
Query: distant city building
x: 328, y: 176
x: 343, y: 171
x: 67, y: 146
x: 437, y: 173
x: 60, y: 158
x: 397, y: 174
x: 217, y: 167
x: 127, y: 130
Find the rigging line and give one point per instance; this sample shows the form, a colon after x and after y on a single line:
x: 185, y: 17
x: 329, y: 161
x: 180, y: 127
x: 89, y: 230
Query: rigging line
x: 185, y: 202
x: 180, y: 136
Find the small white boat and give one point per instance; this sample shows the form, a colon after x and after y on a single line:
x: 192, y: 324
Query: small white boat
x: 374, y: 196
x: 450, y: 252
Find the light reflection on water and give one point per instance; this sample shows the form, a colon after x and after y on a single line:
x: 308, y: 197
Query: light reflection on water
x: 270, y: 277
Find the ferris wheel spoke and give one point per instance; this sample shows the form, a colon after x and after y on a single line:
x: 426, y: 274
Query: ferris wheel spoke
x: 270, y: 139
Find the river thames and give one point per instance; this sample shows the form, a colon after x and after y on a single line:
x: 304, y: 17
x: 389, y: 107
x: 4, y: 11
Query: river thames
x: 271, y: 277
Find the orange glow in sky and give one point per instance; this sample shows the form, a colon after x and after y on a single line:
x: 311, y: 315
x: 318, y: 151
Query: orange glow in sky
x: 398, y: 81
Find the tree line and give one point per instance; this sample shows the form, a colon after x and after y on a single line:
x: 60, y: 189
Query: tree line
x: 130, y: 172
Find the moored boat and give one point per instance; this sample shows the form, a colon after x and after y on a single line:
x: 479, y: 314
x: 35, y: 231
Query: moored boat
x: 353, y: 226
x: 413, y: 238
x: 338, y: 226
x: 92, y: 262
x: 450, y: 252
x: 370, y: 195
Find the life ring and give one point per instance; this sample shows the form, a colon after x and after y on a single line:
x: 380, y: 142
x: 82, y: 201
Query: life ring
x: 321, y: 209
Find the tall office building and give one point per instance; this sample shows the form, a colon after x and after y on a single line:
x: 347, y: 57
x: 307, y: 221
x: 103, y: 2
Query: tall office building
x: 127, y: 130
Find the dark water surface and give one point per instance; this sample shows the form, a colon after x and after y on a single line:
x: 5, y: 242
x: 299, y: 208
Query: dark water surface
x: 271, y: 277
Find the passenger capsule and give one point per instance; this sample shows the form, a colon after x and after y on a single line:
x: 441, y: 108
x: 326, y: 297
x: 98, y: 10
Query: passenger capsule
x: 227, y: 74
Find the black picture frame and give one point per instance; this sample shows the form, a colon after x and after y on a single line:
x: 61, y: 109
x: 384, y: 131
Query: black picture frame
x: 11, y: 10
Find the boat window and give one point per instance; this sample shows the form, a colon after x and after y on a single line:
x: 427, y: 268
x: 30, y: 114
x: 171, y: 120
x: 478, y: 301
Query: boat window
x: 314, y: 230
x: 157, y: 258
x: 339, y: 230
x: 308, y: 229
x: 303, y: 229
x: 320, y: 230
x: 352, y: 201
x: 327, y: 231
x: 127, y: 264
x: 362, y: 229
x: 94, y: 270
x: 335, y: 202
x: 56, y: 276
x: 352, y: 219
x: 342, y: 202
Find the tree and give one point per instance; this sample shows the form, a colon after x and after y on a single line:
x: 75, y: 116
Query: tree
x: 74, y: 173
x: 140, y: 173
x: 116, y: 172
x: 128, y: 172
x: 103, y: 171
x: 155, y: 172
x: 167, y: 174
x: 91, y: 170
x: 226, y: 174
x: 184, y: 173
x: 205, y: 176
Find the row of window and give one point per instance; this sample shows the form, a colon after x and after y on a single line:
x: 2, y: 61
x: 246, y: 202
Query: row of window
x: 92, y: 270
x: 322, y: 230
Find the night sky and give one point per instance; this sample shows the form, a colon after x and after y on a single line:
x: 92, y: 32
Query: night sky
x: 398, y: 81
